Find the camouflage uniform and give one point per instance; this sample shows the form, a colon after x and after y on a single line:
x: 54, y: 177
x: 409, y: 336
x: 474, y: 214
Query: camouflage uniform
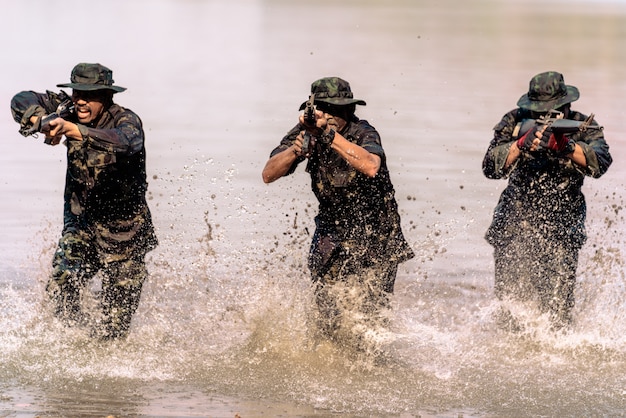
x: 538, y: 225
x: 358, y: 228
x: 107, y: 223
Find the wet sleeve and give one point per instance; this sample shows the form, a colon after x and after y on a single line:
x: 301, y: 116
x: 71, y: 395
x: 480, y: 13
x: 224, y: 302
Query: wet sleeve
x: 287, y: 142
x: 594, y: 147
x: 596, y: 152
x: 367, y: 137
x: 495, y: 158
x: 498, y: 150
x: 371, y: 142
x: 126, y: 137
x: 27, y: 104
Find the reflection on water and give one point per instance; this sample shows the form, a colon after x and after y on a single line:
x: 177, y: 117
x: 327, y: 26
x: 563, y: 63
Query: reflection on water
x: 223, y: 323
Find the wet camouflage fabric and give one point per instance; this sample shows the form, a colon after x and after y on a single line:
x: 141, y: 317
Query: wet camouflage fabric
x: 76, y: 261
x: 107, y: 222
x: 543, y: 189
x: 541, y: 210
x: 358, y: 224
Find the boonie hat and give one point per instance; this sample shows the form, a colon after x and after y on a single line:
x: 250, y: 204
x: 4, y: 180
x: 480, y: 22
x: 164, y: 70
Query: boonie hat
x: 90, y: 77
x: 334, y: 91
x: 547, y: 91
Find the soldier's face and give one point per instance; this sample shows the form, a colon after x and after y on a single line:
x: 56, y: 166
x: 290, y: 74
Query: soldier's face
x: 337, y: 116
x: 88, y: 105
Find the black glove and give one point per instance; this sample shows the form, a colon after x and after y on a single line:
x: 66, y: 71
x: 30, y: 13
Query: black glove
x: 527, y: 140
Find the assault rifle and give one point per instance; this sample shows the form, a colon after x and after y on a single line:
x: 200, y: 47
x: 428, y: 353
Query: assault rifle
x: 309, y: 119
x: 556, y: 124
x: 64, y: 109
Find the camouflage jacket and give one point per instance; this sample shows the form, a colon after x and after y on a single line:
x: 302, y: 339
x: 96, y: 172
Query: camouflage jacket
x: 544, y: 192
x: 105, y: 183
x: 353, y: 207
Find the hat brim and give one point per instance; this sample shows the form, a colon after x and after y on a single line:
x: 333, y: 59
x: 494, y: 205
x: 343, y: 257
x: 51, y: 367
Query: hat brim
x: 92, y: 87
x: 337, y: 102
x: 543, y: 106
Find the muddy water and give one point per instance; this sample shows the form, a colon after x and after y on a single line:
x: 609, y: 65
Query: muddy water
x: 223, y: 324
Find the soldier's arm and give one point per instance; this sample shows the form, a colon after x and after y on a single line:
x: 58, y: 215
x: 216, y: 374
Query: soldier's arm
x: 285, y: 157
x: 358, y: 157
x: 279, y: 164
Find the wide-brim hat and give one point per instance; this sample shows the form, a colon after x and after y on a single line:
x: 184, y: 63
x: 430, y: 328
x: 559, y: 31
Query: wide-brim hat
x: 90, y: 77
x: 334, y: 91
x: 548, y: 91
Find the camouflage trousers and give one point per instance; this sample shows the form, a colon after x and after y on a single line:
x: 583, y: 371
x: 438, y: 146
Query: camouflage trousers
x: 540, y: 270
x: 75, y: 262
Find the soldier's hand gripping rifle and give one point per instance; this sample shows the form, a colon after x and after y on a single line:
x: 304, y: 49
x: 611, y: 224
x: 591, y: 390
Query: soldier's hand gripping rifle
x: 64, y: 109
x: 554, y: 127
x: 309, y: 119
x: 554, y: 122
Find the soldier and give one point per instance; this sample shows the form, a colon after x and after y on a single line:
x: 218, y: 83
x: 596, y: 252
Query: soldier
x: 538, y: 225
x: 107, y: 223
x: 358, y: 233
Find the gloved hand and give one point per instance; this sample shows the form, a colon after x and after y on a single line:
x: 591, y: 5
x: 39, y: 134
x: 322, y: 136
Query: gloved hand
x: 533, y: 140
x: 561, y: 145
